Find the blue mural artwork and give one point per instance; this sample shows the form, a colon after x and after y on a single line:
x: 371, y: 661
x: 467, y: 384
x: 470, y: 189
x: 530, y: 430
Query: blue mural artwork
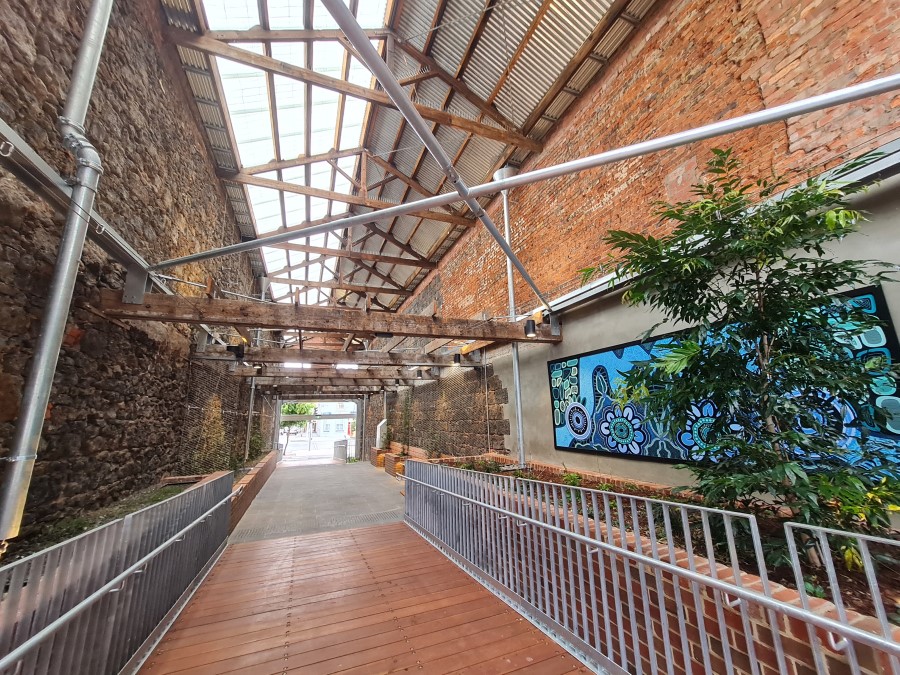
x: 587, y: 419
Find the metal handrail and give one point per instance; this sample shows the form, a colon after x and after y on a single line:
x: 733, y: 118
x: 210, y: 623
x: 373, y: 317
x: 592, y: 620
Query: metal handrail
x: 38, y: 638
x: 740, y: 592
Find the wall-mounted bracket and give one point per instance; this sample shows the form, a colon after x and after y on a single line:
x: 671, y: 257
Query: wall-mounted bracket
x: 137, y: 283
x: 555, y: 326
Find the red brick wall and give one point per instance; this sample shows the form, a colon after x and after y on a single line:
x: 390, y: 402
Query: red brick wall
x: 691, y: 62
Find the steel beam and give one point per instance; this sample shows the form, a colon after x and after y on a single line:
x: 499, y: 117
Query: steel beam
x: 767, y: 116
x: 373, y: 61
x: 46, y: 353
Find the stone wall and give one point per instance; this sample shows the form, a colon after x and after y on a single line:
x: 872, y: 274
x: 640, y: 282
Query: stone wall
x: 446, y: 416
x: 691, y: 62
x: 118, y: 402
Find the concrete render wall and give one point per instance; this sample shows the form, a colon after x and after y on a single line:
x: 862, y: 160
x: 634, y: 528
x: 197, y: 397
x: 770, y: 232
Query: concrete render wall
x: 607, y: 322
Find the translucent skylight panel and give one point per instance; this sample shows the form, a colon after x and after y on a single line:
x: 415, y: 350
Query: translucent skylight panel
x: 294, y: 208
x: 328, y: 57
x: 324, y: 119
x: 318, y: 240
x: 322, y: 18
x: 319, y: 208
x: 314, y: 271
x: 341, y: 185
x: 248, y: 102
x: 358, y: 73
x: 351, y: 129
x: 280, y: 291
x: 266, y: 208
x: 321, y: 175
x: 289, y: 102
x: 285, y: 14
x: 370, y: 13
x: 231, y: 14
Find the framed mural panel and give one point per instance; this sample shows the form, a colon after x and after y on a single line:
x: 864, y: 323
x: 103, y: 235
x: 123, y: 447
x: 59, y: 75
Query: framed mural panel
x: 586, y: 419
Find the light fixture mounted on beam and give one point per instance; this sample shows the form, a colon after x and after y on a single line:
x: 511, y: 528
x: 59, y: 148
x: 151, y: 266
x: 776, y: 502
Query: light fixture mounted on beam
x: 530, y: 328
x: 457, y: 359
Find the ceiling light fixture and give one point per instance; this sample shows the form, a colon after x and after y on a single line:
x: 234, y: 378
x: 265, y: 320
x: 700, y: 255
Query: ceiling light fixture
x: 457, y: 359
x: 530, y: 328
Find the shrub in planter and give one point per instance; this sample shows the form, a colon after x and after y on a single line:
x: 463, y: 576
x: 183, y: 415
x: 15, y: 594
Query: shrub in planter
x: 792, y: 410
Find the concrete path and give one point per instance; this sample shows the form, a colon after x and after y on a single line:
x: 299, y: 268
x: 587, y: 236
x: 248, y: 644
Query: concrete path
x: 311, y: 499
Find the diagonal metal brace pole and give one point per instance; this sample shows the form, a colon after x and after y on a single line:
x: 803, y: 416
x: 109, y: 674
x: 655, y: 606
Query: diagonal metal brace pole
x: 392, y: 88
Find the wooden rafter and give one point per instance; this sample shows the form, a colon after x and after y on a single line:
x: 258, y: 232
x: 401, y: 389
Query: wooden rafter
x: 274, y: 165
x: 219, y: 312
x: 455, y: 84
x: 356, y: 255
x: 339, y: 285
x: 311, y: 77
x: 247, y: 179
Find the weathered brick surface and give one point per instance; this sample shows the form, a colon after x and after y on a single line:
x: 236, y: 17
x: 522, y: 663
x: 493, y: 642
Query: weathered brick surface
x: 690, y: 63
x: 119, y: 393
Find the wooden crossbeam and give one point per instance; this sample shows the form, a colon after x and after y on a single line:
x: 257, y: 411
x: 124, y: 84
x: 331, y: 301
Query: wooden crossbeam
x: 247, y: 179
x: 455, y: 84
x: 275, y: 165
x: 221, y: 312
x: 330, y: 357
x: 268, y: 64
x: 356, y: 255
x: 336, y: 381
x: 293, y: 35
x: 399, y: 175
x: 341, y: 286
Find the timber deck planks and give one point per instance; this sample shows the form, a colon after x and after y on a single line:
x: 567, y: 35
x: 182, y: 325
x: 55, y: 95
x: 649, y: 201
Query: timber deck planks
x: 370, y: 600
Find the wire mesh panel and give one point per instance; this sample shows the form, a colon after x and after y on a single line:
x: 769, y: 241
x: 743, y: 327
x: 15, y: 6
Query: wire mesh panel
x: 638, y: 585
x: 87, y: 604
x: 215, y: 419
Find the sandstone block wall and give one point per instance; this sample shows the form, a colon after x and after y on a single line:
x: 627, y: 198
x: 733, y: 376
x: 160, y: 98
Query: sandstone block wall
x: 119, y: 395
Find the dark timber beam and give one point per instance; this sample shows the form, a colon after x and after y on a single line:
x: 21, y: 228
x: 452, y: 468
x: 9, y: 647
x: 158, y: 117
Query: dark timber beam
x: 328, y: 357
x: 226, y: 312
x: 333, y: 372
x: 294, y: 35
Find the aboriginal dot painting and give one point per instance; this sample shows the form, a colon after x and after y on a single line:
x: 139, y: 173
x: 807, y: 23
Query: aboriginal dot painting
x: 586, y: 419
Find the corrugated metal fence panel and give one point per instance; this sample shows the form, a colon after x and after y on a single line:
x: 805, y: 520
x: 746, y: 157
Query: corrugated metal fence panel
x: 38, y: 590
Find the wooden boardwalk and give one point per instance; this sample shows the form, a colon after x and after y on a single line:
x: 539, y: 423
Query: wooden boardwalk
x: 371, y: 600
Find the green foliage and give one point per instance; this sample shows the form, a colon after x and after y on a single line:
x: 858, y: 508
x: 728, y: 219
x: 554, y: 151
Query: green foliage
x: 294, y: 408
x: 573, y: 479
x: 752, y: 267
x: 387, y: 438
x: 406, y: 421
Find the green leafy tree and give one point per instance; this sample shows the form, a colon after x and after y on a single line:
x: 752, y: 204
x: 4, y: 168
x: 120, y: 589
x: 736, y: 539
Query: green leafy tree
x: 746, y: 266
x: 294, y: 408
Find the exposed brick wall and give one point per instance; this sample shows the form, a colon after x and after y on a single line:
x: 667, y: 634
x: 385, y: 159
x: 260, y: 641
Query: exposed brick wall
x: 119, y: 394
x: 690, y: 63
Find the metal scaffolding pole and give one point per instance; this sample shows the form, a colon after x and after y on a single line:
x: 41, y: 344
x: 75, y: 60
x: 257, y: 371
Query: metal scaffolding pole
x: 777, y: 114
x: 373, y: 61
x: 36, y: 394
x: 507, y: 172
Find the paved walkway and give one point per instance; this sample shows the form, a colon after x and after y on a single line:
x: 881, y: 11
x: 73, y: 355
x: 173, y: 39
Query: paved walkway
x: 367, y: 601
x: 311, y: 499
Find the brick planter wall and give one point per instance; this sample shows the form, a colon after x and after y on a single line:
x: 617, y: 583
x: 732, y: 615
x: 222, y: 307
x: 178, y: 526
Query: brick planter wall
x: 252, y: 483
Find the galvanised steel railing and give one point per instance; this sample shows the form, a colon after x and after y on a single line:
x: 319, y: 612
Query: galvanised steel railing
x: 637, y: 585
x: 87, y: 605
